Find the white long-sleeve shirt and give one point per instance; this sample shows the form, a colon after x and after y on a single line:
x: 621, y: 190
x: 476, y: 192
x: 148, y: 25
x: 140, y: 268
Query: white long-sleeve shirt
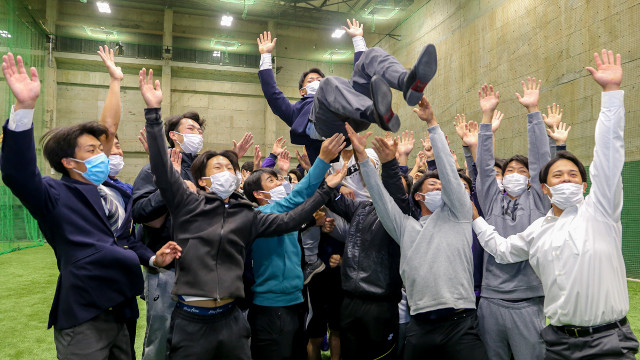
x: 578, y: 256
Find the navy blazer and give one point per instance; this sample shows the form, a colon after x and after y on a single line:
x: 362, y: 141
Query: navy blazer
x: 99, y: 269
x: 296, y: 116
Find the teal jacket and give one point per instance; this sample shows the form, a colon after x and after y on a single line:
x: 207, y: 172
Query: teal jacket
x: 276, y: 260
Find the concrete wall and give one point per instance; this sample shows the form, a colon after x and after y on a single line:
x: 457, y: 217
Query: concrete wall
x: 502, y: 42
x: 231, y: 108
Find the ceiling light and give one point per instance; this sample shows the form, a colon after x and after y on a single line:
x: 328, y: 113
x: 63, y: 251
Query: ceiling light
x: 226, y: 20
x: 5, y: 34
x: 337, y: 33
x: 216, y: 53
x: 103, y: 7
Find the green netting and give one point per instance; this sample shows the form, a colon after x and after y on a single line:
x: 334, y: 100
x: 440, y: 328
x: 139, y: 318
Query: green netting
x: 21, y: 35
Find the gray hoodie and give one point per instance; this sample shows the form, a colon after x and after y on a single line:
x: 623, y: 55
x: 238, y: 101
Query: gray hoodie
x: 435, y: 261
x: 511, y: 216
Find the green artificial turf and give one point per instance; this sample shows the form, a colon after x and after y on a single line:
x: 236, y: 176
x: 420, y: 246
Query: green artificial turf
x: 27, y: 284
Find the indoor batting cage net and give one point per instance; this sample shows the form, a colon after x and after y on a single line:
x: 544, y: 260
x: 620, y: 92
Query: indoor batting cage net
x: 20, y: 34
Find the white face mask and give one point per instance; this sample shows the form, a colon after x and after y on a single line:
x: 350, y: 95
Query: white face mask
x: 277, y: 193
x: 432, y: 200
x: 116, y: 163
x: 566, y: 195
x: 192, y: 143
x: 312, y: 88
x: 499, y: 181
x: 223, y: 183
x: 515, y: 184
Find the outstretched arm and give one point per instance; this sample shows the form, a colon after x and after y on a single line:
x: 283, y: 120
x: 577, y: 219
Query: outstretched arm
x: 390, y: 215
x: 173, y: 190
x: 453, y: 193
x: 110, y: 116
x: 18, y: 158
x: 356, y: 31
x: 513, y: 249
x: 278, y: 103
x: 608, y: 154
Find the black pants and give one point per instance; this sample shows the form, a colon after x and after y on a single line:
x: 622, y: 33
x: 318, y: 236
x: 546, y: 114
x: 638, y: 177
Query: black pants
x: 368, y: 328
x: 454, y: 337
x: 202, y: 337
x: 619, y: 343
x: 277, y: 332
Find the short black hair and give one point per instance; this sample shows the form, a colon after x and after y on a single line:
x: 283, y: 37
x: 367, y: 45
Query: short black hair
x: 409, y: 182
x: 562, y: 155
x: 304, y: 75
x: 418, y: 185
x: 518, y: 158
x: 60, y: 143
x: 172, y: 123
x: 247, y: 166
x: 499, y: 163
x: 254, y: 183
x: 199, y: 166
x: 297, y: 173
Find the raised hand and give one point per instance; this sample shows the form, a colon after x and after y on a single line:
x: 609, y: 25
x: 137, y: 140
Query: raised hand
x: 176, y: 159
x: 336, y: 178
x: 143, y: 140
x: 25, y: 89
x: 355, y: 28
x: 428, y: 149
x: 359, y: 142
x: 331, y: 147
x: 385, y: 151
x: 405, y: 143
x: 455, y: 158
x: 265, y: 45
x: 489, y: 100
x: 608, y: 73
x: 530, y: 94
x: 303, y: 160
x: 425, y: 112
x: 388, y: 136
x: 257, y: 158
x: 167, y: 253
x: 496, y: 120
x: 278, y: 146
x: 460, y: 123
x: 471, y: 134
x: 284, y: 160
x: 560, y: 133
x: 243, y: 146
x: 152, y: 96
x: 554, y: 116
x: 421, y: 160
x: 108, y: 58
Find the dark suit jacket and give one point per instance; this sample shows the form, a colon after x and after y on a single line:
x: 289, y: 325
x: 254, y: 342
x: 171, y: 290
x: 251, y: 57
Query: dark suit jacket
x: 98, y: 269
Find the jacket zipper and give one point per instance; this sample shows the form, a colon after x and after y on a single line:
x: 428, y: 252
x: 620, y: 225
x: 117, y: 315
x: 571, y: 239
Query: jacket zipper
x: 224, y: 210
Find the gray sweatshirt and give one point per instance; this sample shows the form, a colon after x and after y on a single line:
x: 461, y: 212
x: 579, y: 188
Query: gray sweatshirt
x: 435, y: 261
x: 511, y: 216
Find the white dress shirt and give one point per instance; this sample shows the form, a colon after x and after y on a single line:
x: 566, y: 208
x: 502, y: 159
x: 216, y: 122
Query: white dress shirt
x: 578, y: 256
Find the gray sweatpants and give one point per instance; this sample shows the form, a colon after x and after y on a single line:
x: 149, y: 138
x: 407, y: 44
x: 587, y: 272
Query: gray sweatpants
x: 157, y: 291
x: 512, y: 328
x: 619, y: 343
x: 339, y: 100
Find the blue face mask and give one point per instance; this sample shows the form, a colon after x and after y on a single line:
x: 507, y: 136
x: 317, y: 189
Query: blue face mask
x: 97, y: 168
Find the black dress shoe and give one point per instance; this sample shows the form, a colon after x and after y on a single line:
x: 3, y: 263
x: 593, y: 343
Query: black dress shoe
x: 420, y: 75
x: 382, y: 112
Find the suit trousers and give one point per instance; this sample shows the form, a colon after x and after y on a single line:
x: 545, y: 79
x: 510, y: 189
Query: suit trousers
x: 101, y: 338
x: 157, y: 292
x: 619, y: 343
x: 339, y: 101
